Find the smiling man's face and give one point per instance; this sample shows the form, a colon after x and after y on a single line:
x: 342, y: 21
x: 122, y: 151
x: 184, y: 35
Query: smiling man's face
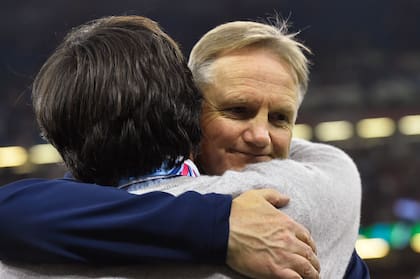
x: 249, y: 111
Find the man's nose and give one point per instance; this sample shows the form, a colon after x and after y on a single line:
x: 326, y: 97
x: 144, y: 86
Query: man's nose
x: 257, y: 134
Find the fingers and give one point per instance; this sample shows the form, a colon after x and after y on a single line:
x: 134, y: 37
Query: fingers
x: 305, y: 255
x: 272, y: 196
x: 307, y: 239
x: 289, y: 244
x: 291, y: 274
x: 303, y: 244
x: 304, y: 235
x: 287, y: 265
x: 304, y: 268
x: 294, y: 265
x: 301, y: 269
x: 266, y: 243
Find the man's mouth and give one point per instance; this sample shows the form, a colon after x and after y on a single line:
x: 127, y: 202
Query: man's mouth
x: 252, y: 157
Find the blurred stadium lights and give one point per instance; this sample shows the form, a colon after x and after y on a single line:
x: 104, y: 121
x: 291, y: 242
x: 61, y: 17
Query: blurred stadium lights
x: 15, y: 156
x: 407, y: 209
x: 415, y: 243
x: 415, y: 239
x: 334, y: 130
x: 377, y: 240
x: 12, y: 156
x: 302, y: 131
x: 409, y: 125
x: 400, y: 235
x: 375, y: 127
x: 366, y: 128
x: 44, y: 154
x: 372, y: 248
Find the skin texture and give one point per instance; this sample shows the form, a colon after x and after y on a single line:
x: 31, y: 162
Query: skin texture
x: 249, y: 111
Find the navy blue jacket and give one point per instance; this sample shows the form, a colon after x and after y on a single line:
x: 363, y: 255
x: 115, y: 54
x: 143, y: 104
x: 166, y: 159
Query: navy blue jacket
x: 66, y: 221
x: 357, y: 268
x: 61, y: 220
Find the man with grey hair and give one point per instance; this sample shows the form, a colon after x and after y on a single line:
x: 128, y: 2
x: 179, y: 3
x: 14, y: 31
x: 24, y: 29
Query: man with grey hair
x: 254, y: 77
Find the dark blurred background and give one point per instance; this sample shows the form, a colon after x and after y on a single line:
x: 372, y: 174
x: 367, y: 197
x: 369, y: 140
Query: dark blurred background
x: 366, y: 64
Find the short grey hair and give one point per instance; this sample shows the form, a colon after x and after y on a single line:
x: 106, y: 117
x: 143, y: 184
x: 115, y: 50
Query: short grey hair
x: 241, y: 34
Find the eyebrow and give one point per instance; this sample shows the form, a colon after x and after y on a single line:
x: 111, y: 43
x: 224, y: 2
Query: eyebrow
x: 287, y: 109
x: 228, y: 99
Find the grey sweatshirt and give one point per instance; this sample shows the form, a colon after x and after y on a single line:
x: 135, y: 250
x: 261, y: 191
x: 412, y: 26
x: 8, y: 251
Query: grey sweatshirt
x: 325, y: 196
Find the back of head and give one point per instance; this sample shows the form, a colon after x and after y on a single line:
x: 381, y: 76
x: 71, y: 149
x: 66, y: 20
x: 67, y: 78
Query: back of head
x: 117, y: 99
x: 241, y: 34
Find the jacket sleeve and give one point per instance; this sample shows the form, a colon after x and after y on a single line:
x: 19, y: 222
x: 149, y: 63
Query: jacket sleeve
x: 60, y: 220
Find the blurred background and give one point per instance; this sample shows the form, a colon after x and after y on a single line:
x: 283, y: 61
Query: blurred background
x: 364, y: 95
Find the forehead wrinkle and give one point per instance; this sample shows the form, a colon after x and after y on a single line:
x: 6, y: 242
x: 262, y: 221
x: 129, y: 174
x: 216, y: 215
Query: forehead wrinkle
x: 245, y: 77
x: 248, y: 82
x: 238, y: 96
x: 259, y: 70
x: 245, y: 93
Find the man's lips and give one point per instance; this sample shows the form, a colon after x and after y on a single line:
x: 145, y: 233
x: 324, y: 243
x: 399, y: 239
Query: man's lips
x: 252, y: 156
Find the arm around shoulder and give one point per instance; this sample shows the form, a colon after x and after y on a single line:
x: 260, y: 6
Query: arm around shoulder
x: 65, y: 221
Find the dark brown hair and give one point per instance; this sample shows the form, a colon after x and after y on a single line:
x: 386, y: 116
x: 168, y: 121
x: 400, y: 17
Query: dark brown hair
x: 117, y: 99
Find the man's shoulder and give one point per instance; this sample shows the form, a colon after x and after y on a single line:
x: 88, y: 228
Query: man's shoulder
x: 38, y: 183
x: 62, y: 190
x: 307, y: 151
x: 28, y: 184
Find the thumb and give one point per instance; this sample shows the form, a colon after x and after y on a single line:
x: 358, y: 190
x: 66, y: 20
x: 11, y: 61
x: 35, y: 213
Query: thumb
x: 273, y: 196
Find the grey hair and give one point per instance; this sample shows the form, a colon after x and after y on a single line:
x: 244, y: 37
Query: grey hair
x: 241, y: 34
